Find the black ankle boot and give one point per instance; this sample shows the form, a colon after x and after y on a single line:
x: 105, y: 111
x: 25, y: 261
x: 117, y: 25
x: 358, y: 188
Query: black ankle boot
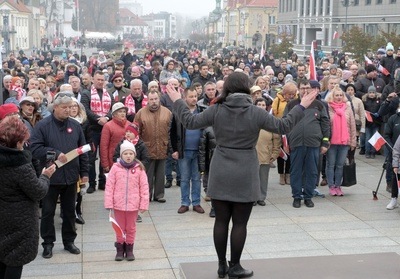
x: 237, y: 271
x: 222, y: 269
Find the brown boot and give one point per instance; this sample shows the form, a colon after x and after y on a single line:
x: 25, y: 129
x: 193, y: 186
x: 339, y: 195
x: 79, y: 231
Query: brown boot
x: 287, y: 178
x: 129, y: 252
x: 120, y: 251
x: 282, y: 179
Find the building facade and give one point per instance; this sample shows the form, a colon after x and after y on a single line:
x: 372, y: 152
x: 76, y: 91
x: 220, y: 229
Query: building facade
x: 309, y: 20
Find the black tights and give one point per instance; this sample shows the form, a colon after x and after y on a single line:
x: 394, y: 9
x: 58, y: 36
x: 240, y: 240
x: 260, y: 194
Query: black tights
x: 10, y: 272
x: 240, y: 214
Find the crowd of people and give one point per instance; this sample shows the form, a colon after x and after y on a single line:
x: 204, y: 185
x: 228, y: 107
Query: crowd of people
x: 241, y: 114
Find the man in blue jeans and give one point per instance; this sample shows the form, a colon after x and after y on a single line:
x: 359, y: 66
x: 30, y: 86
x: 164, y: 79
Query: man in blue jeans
x: 307, y: 140
x: 185, y: 146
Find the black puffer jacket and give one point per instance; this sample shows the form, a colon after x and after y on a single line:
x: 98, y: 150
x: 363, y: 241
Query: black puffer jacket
x: 206, y: 149
x: 20, y: 193
x: 141, y: 152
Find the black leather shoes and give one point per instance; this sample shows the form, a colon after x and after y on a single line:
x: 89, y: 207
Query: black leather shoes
x: 296, y: 203
x: 168, y: 184
x: 309, y: 203
x: 79, y: 219
x: 90, y: 189
x: 262, y: 203
x: 70, y: 247
x: 237, y: 271
x: 222, y: 269
x: 47, y: 252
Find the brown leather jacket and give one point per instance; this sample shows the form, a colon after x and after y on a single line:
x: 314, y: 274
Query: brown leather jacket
x: 154, y: 131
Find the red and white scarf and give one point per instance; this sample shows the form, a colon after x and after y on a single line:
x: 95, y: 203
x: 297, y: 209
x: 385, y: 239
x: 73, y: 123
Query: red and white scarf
x: 100, y: 107
x: 130, y: 103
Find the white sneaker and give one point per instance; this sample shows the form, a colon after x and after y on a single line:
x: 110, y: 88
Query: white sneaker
x: 392, y: 204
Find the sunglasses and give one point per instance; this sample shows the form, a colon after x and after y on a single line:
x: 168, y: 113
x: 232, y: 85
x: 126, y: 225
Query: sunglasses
x: 117, y: 80
x: 29, y: 104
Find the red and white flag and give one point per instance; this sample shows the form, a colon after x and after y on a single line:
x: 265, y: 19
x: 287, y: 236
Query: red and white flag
x: 262, y: 52
x: 283, y: 154
x: 368, y: 116
x: 367, y: 60
x: 335, y: 35
x: 377, y: 141
x: 117, y: 228
x: 383, y: 70
x: 313, y: 72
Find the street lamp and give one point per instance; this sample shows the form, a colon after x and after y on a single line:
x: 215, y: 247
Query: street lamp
x: 346, y: 4
x: 244, y: 16
x: 5, y: 32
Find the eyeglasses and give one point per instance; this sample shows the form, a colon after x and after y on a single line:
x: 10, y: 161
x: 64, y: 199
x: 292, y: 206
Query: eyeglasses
x: 29, y: 104
x: 305, y: 88
x: 117, y: 80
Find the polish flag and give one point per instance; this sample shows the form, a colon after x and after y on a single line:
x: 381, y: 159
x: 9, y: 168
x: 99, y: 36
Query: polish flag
x: 283, y: 154
x: 368, y: 116
x: 377, y: 141
x: 116, y: 227
x: 383, y: 70
x: 335, y: 35
x: 367, y: 60
x: 313, y: 72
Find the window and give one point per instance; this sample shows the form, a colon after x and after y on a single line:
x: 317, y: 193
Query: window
x: 367, y: 2
x: 378, y: 2
x: 392, y: 1
x: 321, y: 7
x: 328, y: 7
x: 356, y: 2
x: 302, y: 7
x: 314, y: 11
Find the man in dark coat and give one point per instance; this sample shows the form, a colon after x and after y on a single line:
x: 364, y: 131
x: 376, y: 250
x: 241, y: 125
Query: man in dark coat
x: 60, y: 134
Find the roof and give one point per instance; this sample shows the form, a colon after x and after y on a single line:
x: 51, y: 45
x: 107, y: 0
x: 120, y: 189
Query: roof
x: 262, y: 3
x: 16, y: 4
x: 127, y: 16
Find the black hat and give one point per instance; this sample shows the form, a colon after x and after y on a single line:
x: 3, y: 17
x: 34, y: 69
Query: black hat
x: 119, y: 62
x: 315, y: 84
x: 370, y: 68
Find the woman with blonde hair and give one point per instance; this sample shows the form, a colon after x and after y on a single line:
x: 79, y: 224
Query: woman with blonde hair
x: 38, y: 96
x: 343, y: 138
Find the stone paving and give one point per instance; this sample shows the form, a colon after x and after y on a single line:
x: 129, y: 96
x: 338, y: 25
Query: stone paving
x: 353, y: 224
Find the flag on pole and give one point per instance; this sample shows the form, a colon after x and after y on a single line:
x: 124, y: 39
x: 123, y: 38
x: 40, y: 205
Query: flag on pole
x: 313, y: 72
x: 262, y: 52
x: 368, y: 116
x: 377, y: 141
x: 367, y: 60
x: 116, y: 227
x: 335, y: 35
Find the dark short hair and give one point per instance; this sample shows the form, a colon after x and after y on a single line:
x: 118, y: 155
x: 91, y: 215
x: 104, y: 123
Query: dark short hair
x: 235, y: 83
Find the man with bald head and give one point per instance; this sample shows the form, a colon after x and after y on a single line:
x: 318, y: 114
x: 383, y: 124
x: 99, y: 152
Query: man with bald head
x: 307, y: 140
x: 136, y: 100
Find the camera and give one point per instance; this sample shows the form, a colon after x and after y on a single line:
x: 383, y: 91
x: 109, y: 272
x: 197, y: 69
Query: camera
x: 50, y: 158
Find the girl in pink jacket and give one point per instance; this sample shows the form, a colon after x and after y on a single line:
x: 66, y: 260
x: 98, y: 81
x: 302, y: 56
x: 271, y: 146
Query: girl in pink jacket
x: 126, y: 193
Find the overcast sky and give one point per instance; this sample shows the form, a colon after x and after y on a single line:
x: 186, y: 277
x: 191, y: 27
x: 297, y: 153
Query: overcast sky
x: 193, y: 8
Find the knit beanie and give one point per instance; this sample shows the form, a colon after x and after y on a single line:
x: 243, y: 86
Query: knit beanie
x: 152, y: 83
x: 126, y: 145
x: 7, y: 109
x: 389, y: 46
x: 371, y: 89
x: 134, y: 128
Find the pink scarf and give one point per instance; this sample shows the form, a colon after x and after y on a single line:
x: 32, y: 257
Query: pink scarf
x: 100, y: 107
x: 130, y: 104
x: 340, y: 133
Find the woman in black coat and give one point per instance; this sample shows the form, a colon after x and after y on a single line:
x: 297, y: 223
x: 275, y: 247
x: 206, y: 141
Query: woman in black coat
x: 20, y: 192
x: 234, y: 181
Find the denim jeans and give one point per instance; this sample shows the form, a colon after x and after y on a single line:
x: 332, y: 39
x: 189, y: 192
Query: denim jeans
x: 169, y: 166
x: 335, y: 160
x: 304, y: 170
x: 369, y: 132
x: 189, y: 167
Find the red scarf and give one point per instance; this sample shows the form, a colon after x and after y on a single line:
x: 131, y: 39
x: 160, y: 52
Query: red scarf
x: 130, y: 104
x: 340, y: 133
x: 99, y: 106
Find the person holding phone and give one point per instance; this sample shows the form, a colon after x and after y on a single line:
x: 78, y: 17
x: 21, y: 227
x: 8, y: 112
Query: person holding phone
x: 60, y: 134
x: 20, y: 191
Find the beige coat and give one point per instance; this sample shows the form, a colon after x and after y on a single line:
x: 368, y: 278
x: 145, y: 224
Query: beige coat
x: 268, y: 147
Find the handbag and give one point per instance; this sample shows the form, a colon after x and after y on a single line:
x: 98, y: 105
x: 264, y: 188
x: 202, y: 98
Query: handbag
x: 349, y: 175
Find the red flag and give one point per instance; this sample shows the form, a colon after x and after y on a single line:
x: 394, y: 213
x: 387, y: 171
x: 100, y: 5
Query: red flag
x: 377, y: 141
x: 313, y: 72
x: 335, y: 35
x: 116, y: 227
x: 368, y: 116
